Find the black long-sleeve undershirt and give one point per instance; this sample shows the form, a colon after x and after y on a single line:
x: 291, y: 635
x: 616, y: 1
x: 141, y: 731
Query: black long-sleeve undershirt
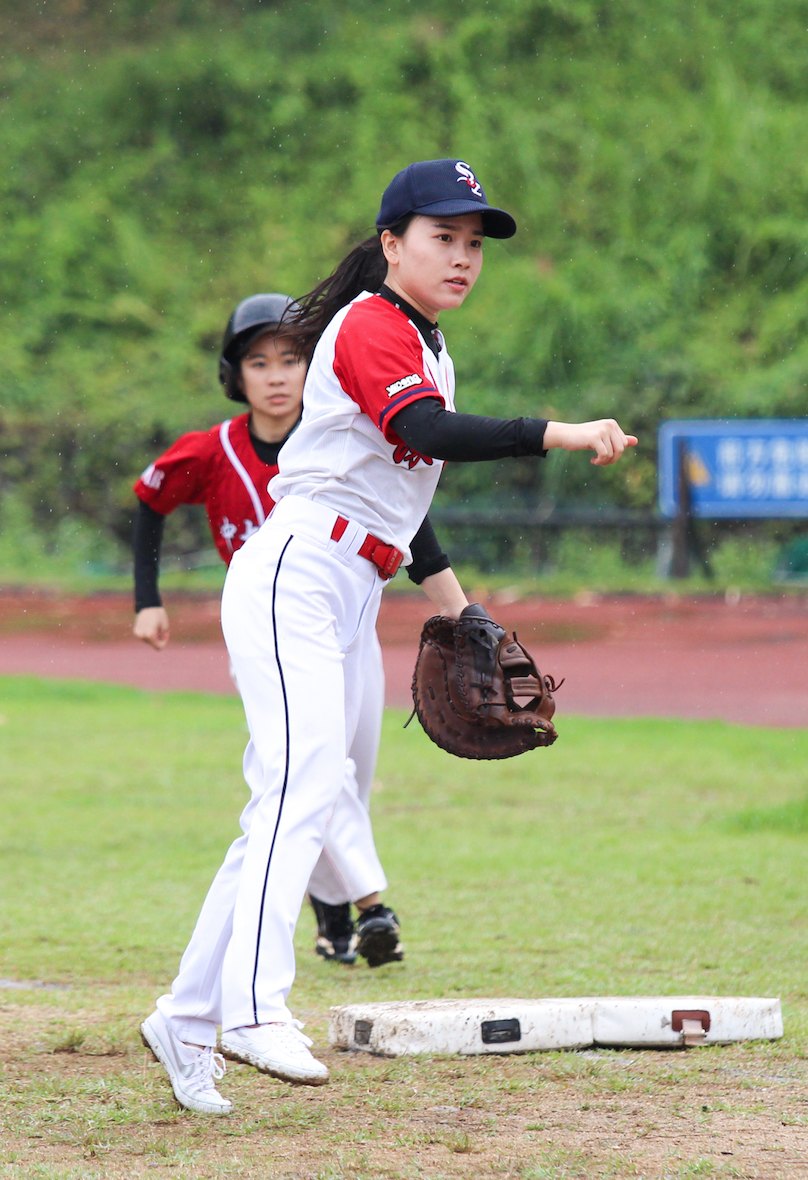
x: 148, y: 540
x: 430, y: 430
x: 427, y: 556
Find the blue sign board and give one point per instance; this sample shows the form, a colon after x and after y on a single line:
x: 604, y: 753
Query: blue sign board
x: 736, y: 468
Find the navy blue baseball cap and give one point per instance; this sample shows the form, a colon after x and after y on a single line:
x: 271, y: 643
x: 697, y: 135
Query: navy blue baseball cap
x: 447, y: 187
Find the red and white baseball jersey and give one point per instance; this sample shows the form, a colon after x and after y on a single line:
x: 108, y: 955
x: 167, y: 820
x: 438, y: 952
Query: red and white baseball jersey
x: 370, y: 362
x: 220, y: 469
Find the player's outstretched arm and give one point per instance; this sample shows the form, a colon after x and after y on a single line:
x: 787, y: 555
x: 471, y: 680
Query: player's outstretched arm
x: 151, y: 625
x: 604, y: 436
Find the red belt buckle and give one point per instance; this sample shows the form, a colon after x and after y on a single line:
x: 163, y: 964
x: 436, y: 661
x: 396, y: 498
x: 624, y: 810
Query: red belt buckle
x: 387, y: 560
x: 384, y: 557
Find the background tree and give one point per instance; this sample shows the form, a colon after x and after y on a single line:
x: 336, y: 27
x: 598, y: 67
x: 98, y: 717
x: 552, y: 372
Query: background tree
x: 163, y: 161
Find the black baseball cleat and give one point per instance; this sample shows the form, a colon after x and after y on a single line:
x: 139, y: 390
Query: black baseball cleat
x: 376, y: 936
x: 335, y: 930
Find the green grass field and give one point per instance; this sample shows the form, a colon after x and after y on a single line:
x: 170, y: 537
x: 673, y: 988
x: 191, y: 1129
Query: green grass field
x: 634, y: 857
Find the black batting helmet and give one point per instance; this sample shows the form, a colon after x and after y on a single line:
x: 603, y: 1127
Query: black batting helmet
x: 253, y: 316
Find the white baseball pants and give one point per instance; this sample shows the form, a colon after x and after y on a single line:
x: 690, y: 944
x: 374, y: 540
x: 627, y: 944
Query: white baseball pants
x: 348, y: 867
x: 299, y: 615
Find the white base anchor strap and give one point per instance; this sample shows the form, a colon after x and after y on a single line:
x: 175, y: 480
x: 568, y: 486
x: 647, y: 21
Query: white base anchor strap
x: 449, y: 1027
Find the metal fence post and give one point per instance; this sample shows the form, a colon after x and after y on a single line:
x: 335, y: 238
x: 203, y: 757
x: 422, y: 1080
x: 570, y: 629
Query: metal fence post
x: 681, y: 530
x: 684, y: 534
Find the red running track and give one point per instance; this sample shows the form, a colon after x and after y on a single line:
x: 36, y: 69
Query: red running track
x: 700, y: 658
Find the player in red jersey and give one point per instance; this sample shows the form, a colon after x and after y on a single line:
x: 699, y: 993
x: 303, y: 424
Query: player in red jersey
x: 227, y: 468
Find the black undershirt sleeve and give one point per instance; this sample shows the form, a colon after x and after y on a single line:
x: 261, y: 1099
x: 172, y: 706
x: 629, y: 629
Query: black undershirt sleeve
x: 427, y: 556
x: 430, y: 430
x: 148, y: 539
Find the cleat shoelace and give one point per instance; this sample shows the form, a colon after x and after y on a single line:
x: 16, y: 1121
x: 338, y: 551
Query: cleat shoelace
x: 293, y: 1038
x: 209, y: 1070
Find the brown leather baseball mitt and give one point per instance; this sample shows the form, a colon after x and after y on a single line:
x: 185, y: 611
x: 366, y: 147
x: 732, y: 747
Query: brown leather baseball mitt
x: 478, y: 692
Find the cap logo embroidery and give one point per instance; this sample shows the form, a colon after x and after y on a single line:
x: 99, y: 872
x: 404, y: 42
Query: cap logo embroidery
x: 404, y: 383
x: 467, y: 176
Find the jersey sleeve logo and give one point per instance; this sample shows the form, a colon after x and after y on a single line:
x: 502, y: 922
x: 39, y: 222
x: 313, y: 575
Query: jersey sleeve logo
x: 404, y: 383
x: 153, y: 477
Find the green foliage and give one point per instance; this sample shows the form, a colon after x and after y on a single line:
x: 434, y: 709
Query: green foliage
x: 164, y: 161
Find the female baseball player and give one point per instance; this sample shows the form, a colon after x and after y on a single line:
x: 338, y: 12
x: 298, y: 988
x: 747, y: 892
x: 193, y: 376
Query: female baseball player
x: 227, y: 469
x: 300, y: 600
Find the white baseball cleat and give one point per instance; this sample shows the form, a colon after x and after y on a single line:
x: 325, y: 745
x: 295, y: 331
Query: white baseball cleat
x: 277, y: 1049
x: 191, y: 1071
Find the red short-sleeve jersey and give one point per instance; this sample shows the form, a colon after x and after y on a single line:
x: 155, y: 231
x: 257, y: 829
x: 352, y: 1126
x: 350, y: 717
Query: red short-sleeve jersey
x: 220, y: 469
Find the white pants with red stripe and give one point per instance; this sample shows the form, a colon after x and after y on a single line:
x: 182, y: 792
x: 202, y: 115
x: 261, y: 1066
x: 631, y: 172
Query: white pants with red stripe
x: 299, y: 615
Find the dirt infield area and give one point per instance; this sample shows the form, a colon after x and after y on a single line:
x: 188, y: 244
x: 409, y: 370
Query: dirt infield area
x: 740, y: 659
x: 86, y: 1102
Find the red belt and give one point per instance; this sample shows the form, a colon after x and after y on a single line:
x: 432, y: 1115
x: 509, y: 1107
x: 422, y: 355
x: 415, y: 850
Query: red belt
x: 384, y: 557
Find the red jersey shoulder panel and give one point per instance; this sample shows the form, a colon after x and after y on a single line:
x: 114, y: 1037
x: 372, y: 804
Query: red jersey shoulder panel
x: 379, y: 361
x: 181, y: 474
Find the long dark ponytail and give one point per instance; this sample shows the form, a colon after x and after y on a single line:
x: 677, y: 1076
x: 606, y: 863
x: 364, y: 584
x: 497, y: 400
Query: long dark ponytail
x: 363, y: 269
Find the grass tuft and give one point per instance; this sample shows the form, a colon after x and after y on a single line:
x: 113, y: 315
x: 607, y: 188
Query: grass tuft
x: 790, y: 817
x: 70, y: 1041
